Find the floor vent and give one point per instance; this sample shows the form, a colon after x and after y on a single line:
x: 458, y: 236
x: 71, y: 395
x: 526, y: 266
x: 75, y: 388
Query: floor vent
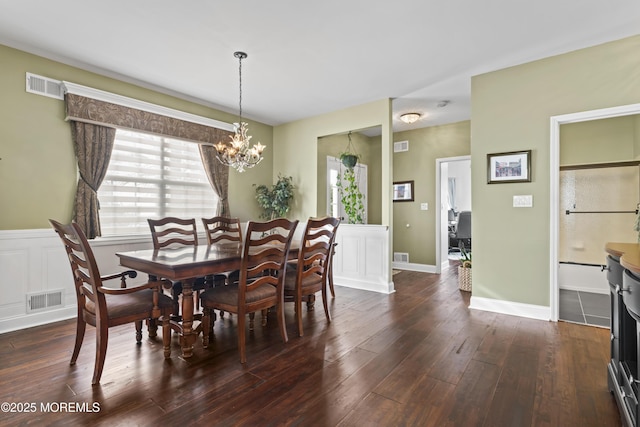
x: 41, y: 301
x: 400, y: 257
x: 44, y: 86
x: 400, y: 146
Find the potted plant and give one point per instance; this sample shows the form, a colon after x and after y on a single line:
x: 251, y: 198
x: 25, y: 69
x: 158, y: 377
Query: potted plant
x: 464, y: 270
x: 349, y: 160
x: 275, y: 201
x: 351, y: 197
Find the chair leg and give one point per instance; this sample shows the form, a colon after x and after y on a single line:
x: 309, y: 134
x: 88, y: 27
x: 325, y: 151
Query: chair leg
x: 330, y: 275
x: 166, y: 336
x: 81, y: 326
x: 281, y: 323
x: 102, y: 338
x: 152, y: 326
x: 298, y: 303
x: 325, y: 303
x: 252, y: 317
x: 265, y: 313
x: 138, y: 331
x: 206, y: 327
x: 241, y: 338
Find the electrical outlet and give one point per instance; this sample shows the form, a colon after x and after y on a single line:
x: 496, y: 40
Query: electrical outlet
x: 424, y: 206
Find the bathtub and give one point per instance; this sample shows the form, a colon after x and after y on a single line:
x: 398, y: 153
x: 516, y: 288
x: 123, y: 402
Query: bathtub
x: 582, y: 277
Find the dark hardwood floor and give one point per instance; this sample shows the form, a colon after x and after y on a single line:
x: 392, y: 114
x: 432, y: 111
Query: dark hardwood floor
x: 418, y: 357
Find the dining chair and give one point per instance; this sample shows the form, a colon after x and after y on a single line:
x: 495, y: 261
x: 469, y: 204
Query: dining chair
x: 103, y: 307
x: 313, y: 266
x: 223, y: 229
x: 175, y: 232
x: 260, y: 286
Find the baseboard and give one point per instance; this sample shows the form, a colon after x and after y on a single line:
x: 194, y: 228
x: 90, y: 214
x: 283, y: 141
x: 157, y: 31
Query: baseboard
x: 539, y: 312
x: 381, y: 288
x: 424, y: 268
x: 37, y: 319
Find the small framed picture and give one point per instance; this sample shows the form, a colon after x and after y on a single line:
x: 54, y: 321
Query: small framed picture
x: 514, y: 166
x: 403, y: 191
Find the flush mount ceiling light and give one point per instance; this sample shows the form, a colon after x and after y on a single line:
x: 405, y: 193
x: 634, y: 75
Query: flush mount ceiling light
x: 410, y: 117
x: 237, y: 153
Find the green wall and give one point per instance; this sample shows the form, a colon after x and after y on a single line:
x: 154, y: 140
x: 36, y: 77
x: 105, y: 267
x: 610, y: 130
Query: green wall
x: 38, y: 171
x: 369, y: 151
x: 511, y: 110
x: 419, y: 165
x: 598, y: 141
x: 296, y: 152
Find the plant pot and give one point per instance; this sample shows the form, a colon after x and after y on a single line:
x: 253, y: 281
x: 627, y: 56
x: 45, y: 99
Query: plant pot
x: 349, y: 160
x: 464, y: 279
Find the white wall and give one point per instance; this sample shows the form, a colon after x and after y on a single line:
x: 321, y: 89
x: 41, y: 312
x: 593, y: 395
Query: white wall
x: 461, y: 171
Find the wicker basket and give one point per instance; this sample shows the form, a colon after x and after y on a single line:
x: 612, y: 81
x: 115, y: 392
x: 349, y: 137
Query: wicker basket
x: 464, y: 279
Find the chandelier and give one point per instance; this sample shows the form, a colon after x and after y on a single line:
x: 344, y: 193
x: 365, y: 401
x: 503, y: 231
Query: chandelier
x: 237, y: 153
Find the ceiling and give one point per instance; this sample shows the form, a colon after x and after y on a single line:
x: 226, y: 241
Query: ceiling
x: 309, y: 59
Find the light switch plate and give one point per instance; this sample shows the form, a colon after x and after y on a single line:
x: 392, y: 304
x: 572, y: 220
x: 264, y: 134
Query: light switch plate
x: 424, y: 206
x: 525, y: 201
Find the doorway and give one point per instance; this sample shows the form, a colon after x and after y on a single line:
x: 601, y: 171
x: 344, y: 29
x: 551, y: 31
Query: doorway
x: 453, y: 193
x: 556, y: 121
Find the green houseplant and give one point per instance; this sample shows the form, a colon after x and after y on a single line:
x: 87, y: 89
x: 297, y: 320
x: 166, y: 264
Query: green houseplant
x: 275, y: 201
x: 351, y: 197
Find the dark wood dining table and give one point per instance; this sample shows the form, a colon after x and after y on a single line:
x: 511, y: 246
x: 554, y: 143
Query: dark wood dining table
x: 185, y: 264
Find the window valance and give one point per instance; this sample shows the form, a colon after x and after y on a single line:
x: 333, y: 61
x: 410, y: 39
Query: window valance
x: 89, y: 105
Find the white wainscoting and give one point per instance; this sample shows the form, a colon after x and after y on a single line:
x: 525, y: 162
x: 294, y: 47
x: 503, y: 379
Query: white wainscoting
x: 362, y: 258
x: 35, y: 261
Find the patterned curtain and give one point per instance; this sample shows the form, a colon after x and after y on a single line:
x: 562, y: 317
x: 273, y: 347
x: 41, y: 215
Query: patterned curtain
x: 218, y: 175
x: 93, y: 145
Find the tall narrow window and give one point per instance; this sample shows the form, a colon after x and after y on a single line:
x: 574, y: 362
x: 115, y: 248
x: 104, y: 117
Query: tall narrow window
x: 151, y: 176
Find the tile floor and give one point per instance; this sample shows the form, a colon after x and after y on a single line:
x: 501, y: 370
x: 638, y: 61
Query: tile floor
x: 585, y: 307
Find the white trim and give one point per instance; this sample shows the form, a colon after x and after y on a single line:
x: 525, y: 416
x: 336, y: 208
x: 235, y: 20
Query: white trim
x: 410, y: 266
x: 531, y: 311
x: 113, y: 98
x: 554, y: 190
x: 31, y: 320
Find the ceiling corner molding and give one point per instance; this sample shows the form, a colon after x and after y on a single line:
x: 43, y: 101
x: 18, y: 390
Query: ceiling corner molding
x: 112, y: 98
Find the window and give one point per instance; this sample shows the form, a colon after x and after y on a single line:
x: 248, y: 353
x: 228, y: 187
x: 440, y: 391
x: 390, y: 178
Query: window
x: 151, y: 176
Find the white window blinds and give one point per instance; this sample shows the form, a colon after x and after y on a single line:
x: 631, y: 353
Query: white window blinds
x: 151, y: 176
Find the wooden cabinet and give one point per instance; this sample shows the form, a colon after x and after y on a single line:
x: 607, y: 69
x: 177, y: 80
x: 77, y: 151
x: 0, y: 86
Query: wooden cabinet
x: 624, y: 285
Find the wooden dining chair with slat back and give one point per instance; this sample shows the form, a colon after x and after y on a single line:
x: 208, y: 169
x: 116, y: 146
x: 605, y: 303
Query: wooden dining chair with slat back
x: 313, y: 266
x: 220, y: 230
x: 104, y: 307
x: 175, y: 232
x: 260, y: 287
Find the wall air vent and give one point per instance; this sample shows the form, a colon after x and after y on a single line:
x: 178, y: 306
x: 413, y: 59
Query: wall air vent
x: 40, y: 301
x: 401, y: 257
x: 44, y: 86
x: 400, y: 146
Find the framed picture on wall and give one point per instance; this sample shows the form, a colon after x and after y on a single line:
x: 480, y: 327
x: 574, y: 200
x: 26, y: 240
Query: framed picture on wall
x: 514, y: 166
x: 403, y: 191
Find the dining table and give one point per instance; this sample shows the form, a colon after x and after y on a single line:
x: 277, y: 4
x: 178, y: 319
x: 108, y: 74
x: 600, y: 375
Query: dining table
x: 186, y: 264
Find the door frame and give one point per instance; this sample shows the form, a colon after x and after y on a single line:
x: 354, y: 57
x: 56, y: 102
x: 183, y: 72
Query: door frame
x: 554, y: 193
x: 442, y: 220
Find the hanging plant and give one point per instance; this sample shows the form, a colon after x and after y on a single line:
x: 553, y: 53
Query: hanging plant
x: 349, y: 157
x: 351, y: 197
x: 275, y: 201
x: 349, y: 160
